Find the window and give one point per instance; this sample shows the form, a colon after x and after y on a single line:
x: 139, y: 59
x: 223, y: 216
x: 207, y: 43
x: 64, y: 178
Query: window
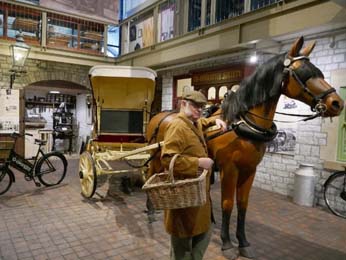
x: 113, y: 41
x: 222, y: 92
x: 342, y: 130
x: 208, y: 15
x: 228, y: 8
x: 194, y: 14
x: 130, y: 7
x: 256, y: 4
x: 211, y: 93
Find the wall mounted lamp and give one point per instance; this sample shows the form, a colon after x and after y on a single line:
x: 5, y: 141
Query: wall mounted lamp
x: 19, y: 52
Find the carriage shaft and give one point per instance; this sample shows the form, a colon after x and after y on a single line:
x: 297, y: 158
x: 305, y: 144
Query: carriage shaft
x: 116, y: 155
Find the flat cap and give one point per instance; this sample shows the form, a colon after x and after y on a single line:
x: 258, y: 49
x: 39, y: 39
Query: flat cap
x: 196, y: 97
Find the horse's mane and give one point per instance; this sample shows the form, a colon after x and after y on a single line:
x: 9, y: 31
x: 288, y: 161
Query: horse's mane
x: 262, y: 85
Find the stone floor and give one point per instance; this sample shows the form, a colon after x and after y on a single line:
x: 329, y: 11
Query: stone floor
x: 58, y: 223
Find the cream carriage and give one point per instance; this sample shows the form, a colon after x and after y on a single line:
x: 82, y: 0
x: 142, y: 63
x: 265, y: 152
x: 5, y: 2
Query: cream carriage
x: 122, y: 98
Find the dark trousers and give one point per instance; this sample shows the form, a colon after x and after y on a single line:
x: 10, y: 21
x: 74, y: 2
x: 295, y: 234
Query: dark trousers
x: 190, y: 248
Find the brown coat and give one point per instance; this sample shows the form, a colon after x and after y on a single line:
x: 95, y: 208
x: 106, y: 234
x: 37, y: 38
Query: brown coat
x: 183, y: 138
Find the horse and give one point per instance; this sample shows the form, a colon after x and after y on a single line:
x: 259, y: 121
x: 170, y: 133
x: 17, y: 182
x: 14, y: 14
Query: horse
x: 249, y: 113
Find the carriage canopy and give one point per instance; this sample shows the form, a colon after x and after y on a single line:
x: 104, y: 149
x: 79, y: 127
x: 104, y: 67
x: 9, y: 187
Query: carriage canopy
x: 123, y: 97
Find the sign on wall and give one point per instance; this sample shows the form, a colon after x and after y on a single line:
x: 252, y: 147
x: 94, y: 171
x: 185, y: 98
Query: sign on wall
x: 9, y: 111
x: 285, y: 141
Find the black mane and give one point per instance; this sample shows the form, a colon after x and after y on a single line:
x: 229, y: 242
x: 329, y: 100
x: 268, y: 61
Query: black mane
x: 262, y: 85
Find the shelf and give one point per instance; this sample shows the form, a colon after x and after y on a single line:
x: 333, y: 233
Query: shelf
x: 27, y: 25
x: 46, y: 103
x: 93, y: 36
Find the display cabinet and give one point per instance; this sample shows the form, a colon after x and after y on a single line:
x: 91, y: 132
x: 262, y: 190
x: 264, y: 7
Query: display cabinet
x: 62, y: 128
x: 66, y: 32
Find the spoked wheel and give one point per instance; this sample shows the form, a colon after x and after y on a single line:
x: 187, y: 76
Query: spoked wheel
x: 5, y: 180
x: 335, y: 193
x: 87, y: 174
x: 51, y: 168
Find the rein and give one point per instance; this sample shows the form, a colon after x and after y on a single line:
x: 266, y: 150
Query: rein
x: 307, y: 117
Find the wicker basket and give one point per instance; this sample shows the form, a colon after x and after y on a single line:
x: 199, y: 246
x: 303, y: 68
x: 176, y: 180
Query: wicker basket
x: 5, y: 149
x: 166, y: 193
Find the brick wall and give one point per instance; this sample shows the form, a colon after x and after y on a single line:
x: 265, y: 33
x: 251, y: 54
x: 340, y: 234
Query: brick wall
x: 43, y: 70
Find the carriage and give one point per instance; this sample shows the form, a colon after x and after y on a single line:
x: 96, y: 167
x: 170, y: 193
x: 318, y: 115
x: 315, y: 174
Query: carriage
x: 122, y: 98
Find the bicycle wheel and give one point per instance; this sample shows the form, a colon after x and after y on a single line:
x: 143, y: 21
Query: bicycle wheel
x: 335, y: 193
x: 5, y: 180
x: 51, y: 168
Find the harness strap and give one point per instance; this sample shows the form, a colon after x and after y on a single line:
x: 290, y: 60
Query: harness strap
x: 210, y: 137
x: 158, y: 126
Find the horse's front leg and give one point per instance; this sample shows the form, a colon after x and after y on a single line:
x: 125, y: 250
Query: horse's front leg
x: 228, y: 184
x: 243, y: 191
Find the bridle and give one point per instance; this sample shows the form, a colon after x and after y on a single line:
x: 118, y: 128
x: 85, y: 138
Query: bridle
x: 302, y: 75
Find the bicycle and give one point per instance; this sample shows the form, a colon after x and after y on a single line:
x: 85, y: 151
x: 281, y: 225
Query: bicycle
x: 49, y: 168
x: 335, y: 193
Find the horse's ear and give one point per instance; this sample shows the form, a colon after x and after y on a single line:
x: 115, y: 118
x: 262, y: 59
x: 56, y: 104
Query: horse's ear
x: 308, y: 49
x: 297, y: 45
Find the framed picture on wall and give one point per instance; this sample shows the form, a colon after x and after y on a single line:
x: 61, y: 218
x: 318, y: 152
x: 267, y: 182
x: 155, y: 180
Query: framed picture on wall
x: 133, y: 33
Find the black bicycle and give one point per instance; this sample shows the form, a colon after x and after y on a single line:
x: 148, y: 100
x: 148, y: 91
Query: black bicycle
x: 48, y: 168
x: 335, y: 193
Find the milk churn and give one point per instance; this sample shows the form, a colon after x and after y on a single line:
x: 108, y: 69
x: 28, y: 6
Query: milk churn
x: 304, y: 185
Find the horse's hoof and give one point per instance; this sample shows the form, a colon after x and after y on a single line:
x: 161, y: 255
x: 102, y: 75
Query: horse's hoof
x: 226, y: 245
x: 230, y: 254
x: 246, y: 252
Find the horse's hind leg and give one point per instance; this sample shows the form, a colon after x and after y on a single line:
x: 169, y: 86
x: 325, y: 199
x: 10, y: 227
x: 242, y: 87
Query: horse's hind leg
x: 228, y: 183
x: 243, y: 191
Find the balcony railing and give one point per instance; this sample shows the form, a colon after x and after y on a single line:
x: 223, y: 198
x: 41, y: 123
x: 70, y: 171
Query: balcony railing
x: 157, y: 23
x: 62, y: 32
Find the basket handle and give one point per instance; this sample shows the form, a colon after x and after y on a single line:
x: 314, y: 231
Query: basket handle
x: 170, y: 168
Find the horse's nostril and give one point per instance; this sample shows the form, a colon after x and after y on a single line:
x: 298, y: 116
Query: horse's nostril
x: 336, y: 105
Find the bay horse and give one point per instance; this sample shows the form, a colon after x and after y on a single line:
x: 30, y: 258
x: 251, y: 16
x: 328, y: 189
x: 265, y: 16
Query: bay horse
x: 249, y: 112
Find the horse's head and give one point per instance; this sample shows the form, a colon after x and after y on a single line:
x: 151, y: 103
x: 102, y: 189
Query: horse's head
x: 305, y: 82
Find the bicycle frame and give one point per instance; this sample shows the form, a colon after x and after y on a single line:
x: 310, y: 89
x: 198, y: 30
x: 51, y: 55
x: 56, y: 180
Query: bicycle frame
x: 23, y: 164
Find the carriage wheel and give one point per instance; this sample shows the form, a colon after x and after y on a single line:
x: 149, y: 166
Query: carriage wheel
x: 87, y: 174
